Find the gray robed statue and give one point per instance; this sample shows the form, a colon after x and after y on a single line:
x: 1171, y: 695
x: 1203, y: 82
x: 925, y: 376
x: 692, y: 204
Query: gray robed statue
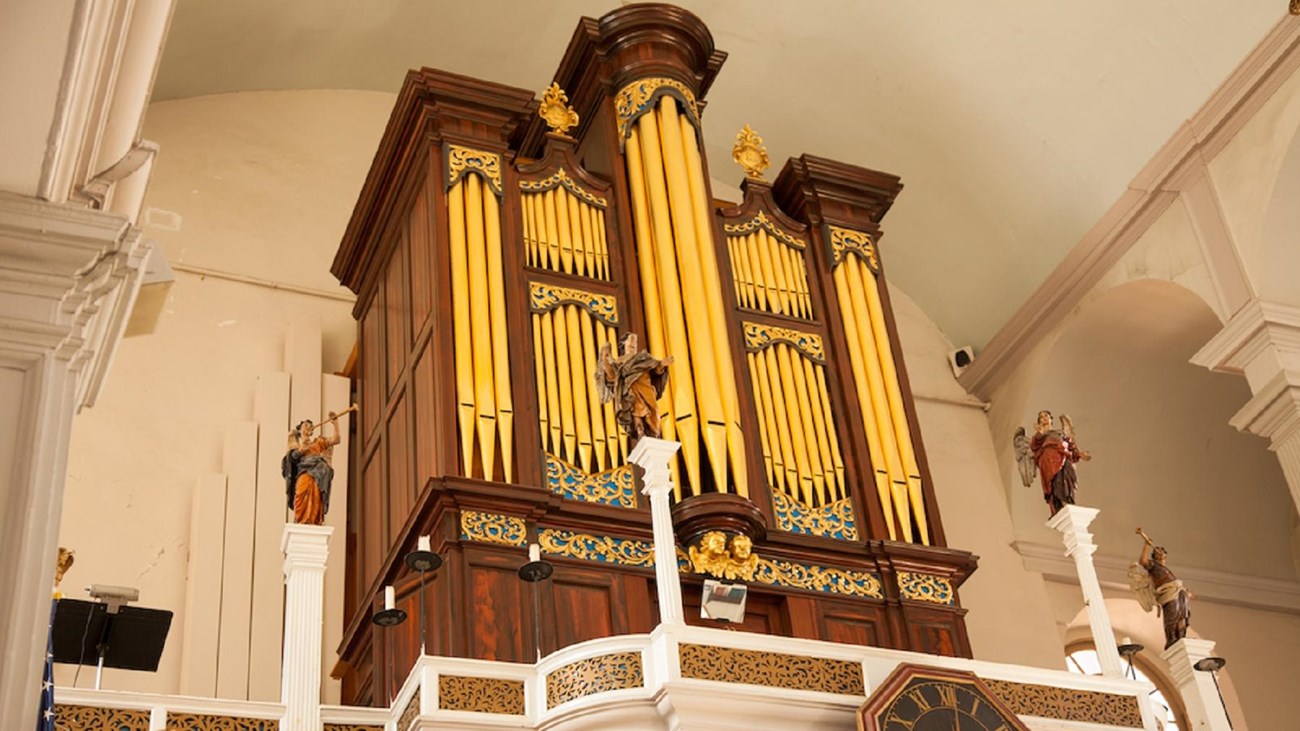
x: 634, y: 381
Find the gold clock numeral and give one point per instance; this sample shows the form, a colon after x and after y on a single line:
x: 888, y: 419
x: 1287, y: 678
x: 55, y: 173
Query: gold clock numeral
x: 918, y: 697
x: 947, y: 695
x: 892, y: 720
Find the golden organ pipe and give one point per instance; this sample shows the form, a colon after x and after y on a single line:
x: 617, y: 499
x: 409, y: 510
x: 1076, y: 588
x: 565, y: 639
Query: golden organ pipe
x: 671, y: 192
x: 460, y: 323
x: 760, y: 407
x: 779, y: 267
x: 763, y: 296
x: 553, y: 385
x: 602, y: 242
x: 562, y: 362
x: 799, y: 427
x: 605, y: 334
x: 744, y: 259
x: 526, y: 212
x: 774, y: 426
x: 582, y: 233
x: 796, y: 276
x: 539, y: 365
x: 858, y: 366
x: 588, y: 373
x: 791, y: 447
x: 547, y: 207
x: 837, y: 459
x: 585, y: 217
x: 879, y: 400
x: 559, y: 204
x: 704, y: 220
x: 774, y: 301
x: 736, y: 279
x: 500, y: 349
x: 480, y: 324
x: 681, y: 377
x: 894, y: 393
x: 579, y: 411
x: 821, y: 427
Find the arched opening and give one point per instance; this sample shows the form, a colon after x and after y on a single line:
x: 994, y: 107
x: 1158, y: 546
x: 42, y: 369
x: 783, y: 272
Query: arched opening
x: 1166, y: 703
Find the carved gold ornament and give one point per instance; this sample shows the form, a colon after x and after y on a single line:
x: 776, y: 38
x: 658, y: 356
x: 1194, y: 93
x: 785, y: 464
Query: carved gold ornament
x: 462, y: 160
x: 555, y: 109
x: 717, y: 557
x: 637, y: 97
x: 507, y: 530
x: 561, y: 178
x: 481, y: 695
x: 91, y: 718
x: 411, y: 711
x: 758, y: 337
x: 615, y: 486
x: 835, y: 520
x: 760, y: 220
x: 847, y: 241
x: 61, y: 566
x: 615, y: 671
x: 1067, y: 704
x: 543, y: 297
x: 925, y: 588
x: 773, y: 669
x: 211, y: 722
x: 750, y: 154
x: 352, y: 727
x: 588, y: 547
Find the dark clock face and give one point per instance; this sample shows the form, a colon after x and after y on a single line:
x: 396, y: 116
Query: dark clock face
x: 941, y: 705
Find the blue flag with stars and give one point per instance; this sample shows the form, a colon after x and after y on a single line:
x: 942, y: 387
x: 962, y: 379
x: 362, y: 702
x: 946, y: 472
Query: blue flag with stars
x: 45, y: 720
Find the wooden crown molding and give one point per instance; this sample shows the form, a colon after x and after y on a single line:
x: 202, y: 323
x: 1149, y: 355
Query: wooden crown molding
x: 1152, y: 190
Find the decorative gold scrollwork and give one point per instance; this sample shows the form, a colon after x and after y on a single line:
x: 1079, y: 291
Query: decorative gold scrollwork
x: 209, y: 722
x: 925, y: 588
x: 760, y: 220
x: 758, y: 337
x: 588, y: 547
x: 1067, y: 704
x: 561, y: 178
x: 847, y: 241
x: 93, y: 718
x: 615, y: 671
x: 772, y: 669
x: 543, y: 297
x: 829, y: 521
x: 818, y: 578
x: 410, y: 712
x: 462, y: 160
x: 507, y: 530
x: 481, y: 695
x: 612, y: 487
x: 637, y: 97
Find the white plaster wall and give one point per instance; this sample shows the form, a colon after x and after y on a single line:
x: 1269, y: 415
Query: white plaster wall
x: 260, y: 185
x: 1009, y: 617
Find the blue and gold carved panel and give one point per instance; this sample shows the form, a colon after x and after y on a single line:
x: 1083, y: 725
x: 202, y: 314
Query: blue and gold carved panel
x: 507, y: 530
x: 835, y: 520
x: 847, y: 241
x: 926, y: 588
x: 543, y: 297
x: 612, y: 487
x: 762, y: 221
x: 758, y: 337
x: 812, y: 577
x: 604, y: 549
x: 639, y: 97
x: 561, y: 178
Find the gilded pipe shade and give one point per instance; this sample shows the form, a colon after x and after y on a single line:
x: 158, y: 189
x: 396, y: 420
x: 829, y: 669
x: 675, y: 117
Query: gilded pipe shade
x: 681, y: 290
x: 767, y: 266
x: 484, y: 403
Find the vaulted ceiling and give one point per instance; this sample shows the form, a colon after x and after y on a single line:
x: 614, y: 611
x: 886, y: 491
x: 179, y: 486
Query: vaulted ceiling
x: 1013, y: 123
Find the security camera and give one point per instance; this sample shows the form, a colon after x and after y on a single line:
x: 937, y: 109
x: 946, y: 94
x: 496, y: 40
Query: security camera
x: 960, y: 359
x: 114, y: 596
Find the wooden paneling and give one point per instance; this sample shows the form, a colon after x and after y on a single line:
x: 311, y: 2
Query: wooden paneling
x: 498, y: 607
x: 372, y: 516
x: 854, y: 624
x: 586, y: 605
x: 396, y: 314
x: 419, y: 234
x: 400, y: 491
x: 372, y: 371
x: 422, y: 387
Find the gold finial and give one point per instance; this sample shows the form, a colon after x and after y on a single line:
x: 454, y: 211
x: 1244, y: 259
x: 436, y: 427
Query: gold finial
x: 61, y: 566
x: 555, y: 109
x: 750, y: 154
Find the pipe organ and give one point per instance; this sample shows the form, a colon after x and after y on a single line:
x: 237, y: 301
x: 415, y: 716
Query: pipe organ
x: 499, y: 243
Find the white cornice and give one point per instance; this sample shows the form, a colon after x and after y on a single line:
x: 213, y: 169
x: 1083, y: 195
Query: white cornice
x: 1152, y: 190
x: 1254, y: 592
x: 1253, y: 329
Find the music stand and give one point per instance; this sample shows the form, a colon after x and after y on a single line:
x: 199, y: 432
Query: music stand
x: 130, y: 639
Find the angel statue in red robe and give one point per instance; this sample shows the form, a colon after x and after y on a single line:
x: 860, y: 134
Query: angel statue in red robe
x: 1052, y: 453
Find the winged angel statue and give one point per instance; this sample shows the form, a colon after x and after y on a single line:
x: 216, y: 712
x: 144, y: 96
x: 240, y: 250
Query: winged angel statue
x: 634, y: 380
x: 1157, y: 588
x: 1050, y: 453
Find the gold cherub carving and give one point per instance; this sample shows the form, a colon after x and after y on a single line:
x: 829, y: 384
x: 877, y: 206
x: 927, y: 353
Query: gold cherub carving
x: 750, y: 153
x: 555, y: 109
x: 715, y: 558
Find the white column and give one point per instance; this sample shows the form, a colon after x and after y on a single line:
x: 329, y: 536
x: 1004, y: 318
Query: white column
x: 654, y: 456
x: 305, y: 549
x: 1073, y: 521
x: 1200, y: 695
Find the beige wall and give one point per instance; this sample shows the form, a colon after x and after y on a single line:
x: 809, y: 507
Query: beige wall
x: 261, y: 186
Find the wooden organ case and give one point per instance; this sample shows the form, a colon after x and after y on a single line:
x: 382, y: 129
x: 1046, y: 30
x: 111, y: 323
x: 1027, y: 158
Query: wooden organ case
x: 492, y: 259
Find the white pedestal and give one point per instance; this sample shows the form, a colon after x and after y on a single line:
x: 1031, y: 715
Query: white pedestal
x: 305, y: 550
x: 1200, y: 695
x: 654, y: 456
x: 1072, y: 521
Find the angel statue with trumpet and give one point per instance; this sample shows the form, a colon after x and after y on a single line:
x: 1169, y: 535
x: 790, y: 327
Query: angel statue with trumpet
x: 1157, y: 588
x: 307, y: 470
x: 1051, y: 454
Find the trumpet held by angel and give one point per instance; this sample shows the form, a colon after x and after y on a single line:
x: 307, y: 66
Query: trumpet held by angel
x: 1050, y: 454
x: 634, y: 380
x: 308, y: 468
x: 1158, y: 588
